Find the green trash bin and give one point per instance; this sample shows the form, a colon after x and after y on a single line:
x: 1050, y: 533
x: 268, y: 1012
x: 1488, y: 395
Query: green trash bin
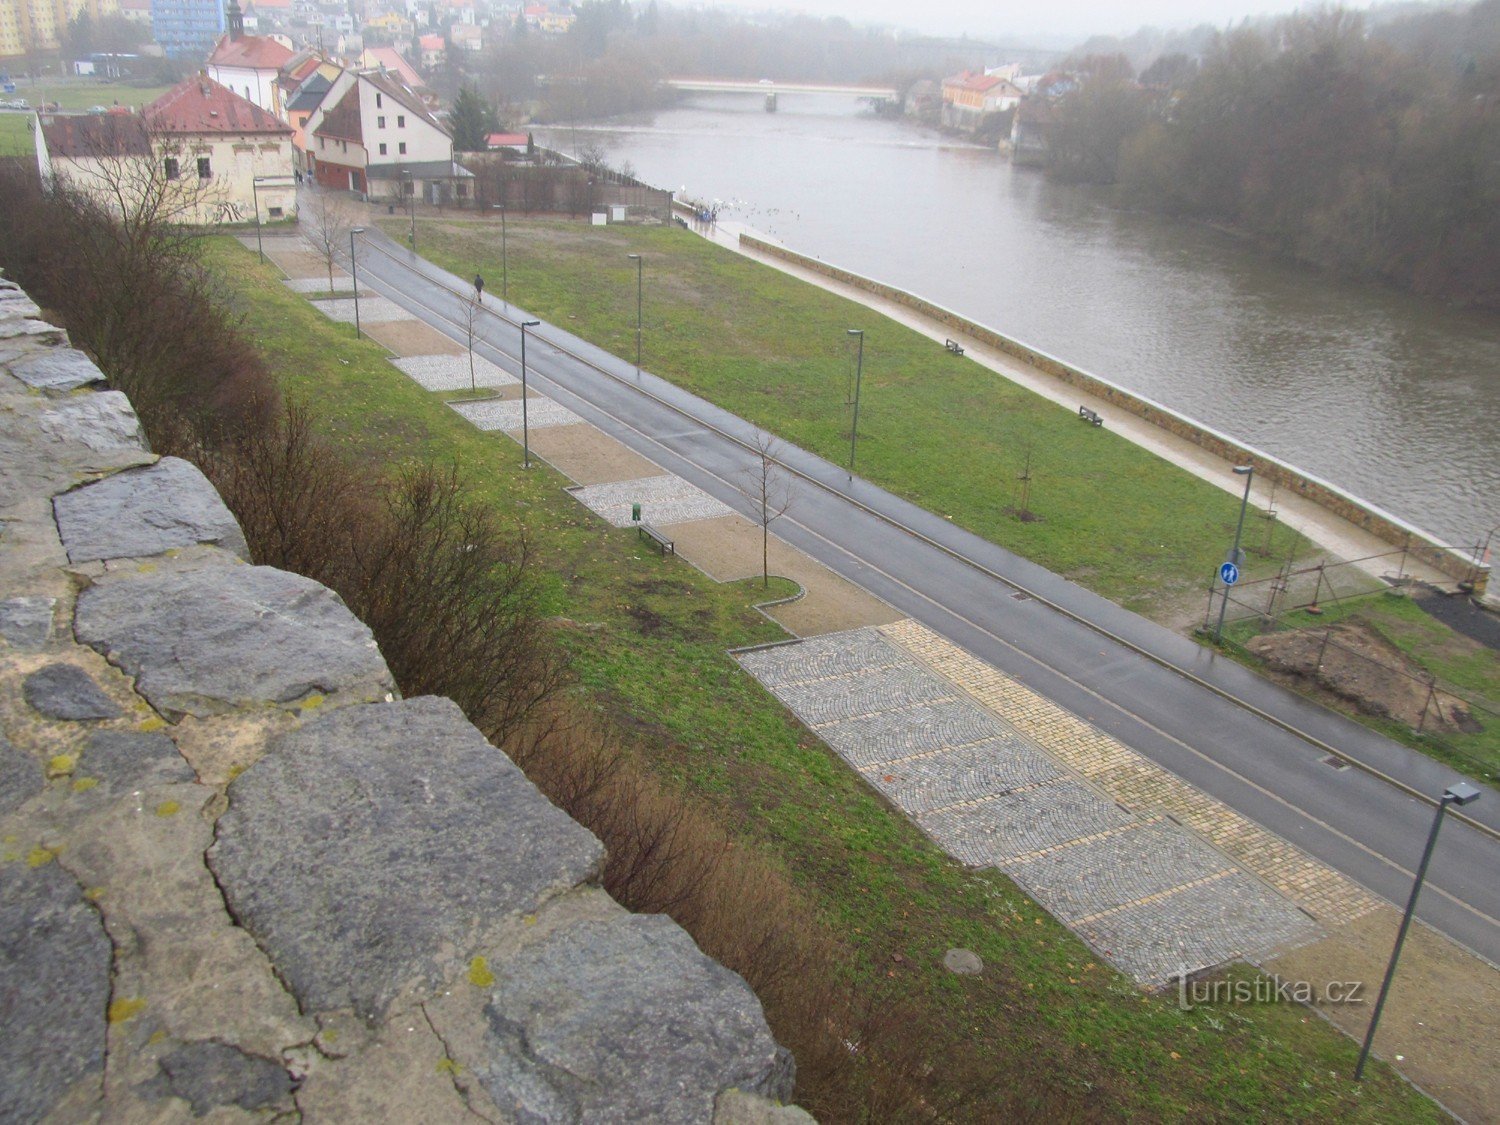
x: 635, y: 512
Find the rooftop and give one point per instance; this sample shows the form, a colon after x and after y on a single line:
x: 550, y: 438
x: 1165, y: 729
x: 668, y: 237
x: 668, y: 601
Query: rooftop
x: 201, y: 105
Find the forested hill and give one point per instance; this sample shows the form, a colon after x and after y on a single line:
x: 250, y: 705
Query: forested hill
x: 1371, y: 151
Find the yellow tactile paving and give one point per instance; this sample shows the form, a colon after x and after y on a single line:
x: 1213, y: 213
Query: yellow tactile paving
x: 1138, y: 783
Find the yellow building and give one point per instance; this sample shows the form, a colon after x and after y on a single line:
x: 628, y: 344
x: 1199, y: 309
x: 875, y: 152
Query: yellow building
x: 29, y: 26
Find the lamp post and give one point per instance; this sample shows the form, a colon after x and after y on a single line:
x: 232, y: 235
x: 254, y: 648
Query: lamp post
x: 1459, y: 793
x: 255, y: 195
x: 1248, y: 472
x: 354, y: 274
x: 859, y: 369
x: 411, y: 205
x: 525, y: 435
x: 636, y: 258
x: 504, y: 265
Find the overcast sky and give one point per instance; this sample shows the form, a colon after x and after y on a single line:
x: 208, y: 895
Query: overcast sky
x: 986, y: 18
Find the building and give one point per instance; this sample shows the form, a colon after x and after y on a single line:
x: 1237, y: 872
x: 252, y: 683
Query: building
x: 466, y: 37
x: 969, y: 98
x: 209, y: 154
x: 31, y: 26
x: 434, y: 51
x: 392, y: 61
x: 249, y: 65
x: 545, y: 18
x: 187, y: 29
x: 372, y: 135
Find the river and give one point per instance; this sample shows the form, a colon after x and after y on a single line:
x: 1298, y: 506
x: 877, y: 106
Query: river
x: 1392, y: 397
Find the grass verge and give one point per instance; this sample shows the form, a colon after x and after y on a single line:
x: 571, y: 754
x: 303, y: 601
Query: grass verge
x: 648, y: 637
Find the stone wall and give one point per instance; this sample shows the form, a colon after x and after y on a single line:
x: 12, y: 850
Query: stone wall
x: 1441, y: 556
x: 239, y: 876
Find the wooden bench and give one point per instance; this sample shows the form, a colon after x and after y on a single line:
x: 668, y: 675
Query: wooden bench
x: 954, y: 346
x: 1090, y: 416
x: 656, y: 536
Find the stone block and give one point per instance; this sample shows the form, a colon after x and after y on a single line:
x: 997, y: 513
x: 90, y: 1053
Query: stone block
x: 66, y: 691
x: 54, y: 989
x: 218, y: 639
x: 414, y: 837
x: 101, y: 422
x: 58, y: 372
x: 624, y: 1020
x: 144, y: 512
x: 20, y: 777
x: 122, y: 761
x: 208, y: 1075
x: 26, y: 623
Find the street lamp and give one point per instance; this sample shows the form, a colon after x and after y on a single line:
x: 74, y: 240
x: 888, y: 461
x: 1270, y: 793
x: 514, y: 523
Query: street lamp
x: 354, y: 273
x: 504, y: 265
x: 1459, y: 793
x: 1235, y: 555
x: 859, y: 369
x: 636, y: 258
x: 411, y: 205
x: 255, y: 195
x: 525, y: 435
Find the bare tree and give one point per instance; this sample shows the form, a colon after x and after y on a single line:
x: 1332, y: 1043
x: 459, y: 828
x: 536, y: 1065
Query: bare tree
x: 471, y: 319
x: 768, y: 487
x: 326, y: 225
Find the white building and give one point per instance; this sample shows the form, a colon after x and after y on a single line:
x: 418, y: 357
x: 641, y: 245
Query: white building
x: 249, y: 64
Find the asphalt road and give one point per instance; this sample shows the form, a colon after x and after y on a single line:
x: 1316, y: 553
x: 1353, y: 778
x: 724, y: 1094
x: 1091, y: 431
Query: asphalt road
x: 1257, y: 747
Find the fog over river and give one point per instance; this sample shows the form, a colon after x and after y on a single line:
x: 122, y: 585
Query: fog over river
x: 1392, y: 397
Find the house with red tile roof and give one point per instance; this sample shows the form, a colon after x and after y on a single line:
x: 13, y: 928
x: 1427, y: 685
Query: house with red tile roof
x: 208, y: 154
x: 249, y: 65
x: 375, y: 136
x: 968, y: 97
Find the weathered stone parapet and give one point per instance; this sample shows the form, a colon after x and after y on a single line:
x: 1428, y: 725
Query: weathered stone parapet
x: 239, y: 877
x: 1443, y: 557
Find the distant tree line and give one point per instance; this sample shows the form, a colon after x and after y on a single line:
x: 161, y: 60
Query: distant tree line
x: 1372, y: 152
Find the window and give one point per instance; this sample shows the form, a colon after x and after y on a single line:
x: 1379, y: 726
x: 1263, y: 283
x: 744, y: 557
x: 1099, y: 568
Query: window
x: 401, y: 148
x: 343, y: 146
x: 401, y: 121
x: 275, y: 212
x: 204, y: 171
x: 169, y: 166
x: 377, y: 101
x: 380, y: 122
x: 382, y: 148
x: 462, y: 190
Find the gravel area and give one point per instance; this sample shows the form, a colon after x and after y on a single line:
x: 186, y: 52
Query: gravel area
x: 664, y: 500
x: 372, y: 310
x: 540, y: 413
x: 451, y: 372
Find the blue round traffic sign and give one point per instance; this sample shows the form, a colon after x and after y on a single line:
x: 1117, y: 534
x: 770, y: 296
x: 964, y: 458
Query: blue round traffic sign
x: 1229, y: 574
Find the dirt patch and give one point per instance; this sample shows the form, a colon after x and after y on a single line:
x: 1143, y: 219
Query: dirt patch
x: 1351, y: 665
x: 304, y: 263
x: 409, y: 338
x: 1443, y: 1016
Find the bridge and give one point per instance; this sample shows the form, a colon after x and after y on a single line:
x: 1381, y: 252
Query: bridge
x: 769, y: 89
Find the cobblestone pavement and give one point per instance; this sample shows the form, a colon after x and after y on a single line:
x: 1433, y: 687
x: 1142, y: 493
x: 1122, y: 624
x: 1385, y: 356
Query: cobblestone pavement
x: 342, y: 283
x: 664, y: 500
x: 372, y: 310
x: 1147, y: 893
x: 1137, y: 782
x: 451, y: 372
x: 540, y: 413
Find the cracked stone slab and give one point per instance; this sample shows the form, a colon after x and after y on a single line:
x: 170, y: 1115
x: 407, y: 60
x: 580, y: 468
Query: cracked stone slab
x: 66, y: 691
x: 54, y: 989
x: 26, y: 623
x: 120, y: 761
x: 451, y: 372
x: 20, y: 777
x: 102, y: 422
x: 58, y: 372
x: 223, y: 638
x: 144, y: 512
x: 664, y: 500
x: 208, y: 1075
x: 414, y: 835
x: 624, y: 1020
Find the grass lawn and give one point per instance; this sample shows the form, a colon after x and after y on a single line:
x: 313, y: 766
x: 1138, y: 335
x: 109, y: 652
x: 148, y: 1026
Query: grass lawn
x: 939, y: 430
x: 648, y: 636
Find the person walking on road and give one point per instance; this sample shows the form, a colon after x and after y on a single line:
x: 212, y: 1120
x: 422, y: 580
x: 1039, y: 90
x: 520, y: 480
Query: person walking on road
x: 478, y: 287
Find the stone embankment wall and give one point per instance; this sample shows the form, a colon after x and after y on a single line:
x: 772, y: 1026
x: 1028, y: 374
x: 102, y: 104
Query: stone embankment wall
x: 240, y: 877
x: 1437, y: 554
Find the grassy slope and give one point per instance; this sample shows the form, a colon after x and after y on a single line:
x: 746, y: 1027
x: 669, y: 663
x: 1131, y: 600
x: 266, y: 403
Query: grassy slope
x: 653, y: 654
x: 939, y: 430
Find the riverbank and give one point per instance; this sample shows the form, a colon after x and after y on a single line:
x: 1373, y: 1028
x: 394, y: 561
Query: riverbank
x: 1301, y: 501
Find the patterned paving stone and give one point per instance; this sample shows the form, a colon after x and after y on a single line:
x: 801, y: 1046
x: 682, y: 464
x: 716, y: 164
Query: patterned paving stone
x: 937, y: 781
x: 664, y: 500
x: 818, y: 658
x: 990, y: 832
x: 1204, y: 925
x: 540, y: 413
x: 876, y: 739
x: 342, y: 283
x: 850, y: 696
x: 451, y: 373
x: 372, y: 310
x: 1097, y: 875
